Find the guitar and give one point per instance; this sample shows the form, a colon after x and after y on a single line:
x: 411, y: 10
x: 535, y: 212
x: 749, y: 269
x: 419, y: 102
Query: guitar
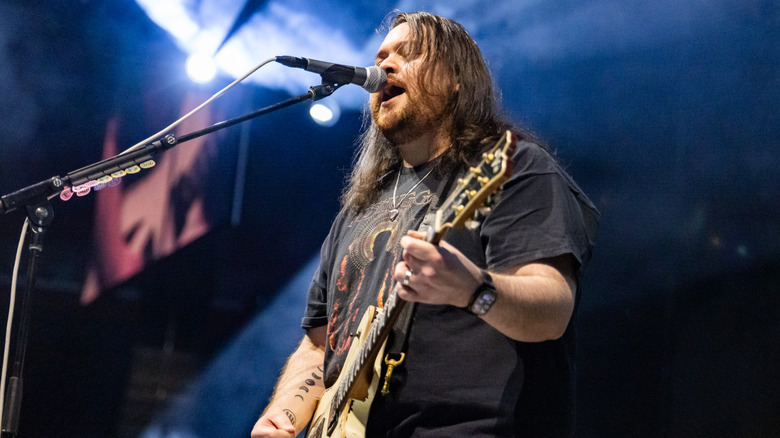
x: 343, y: 409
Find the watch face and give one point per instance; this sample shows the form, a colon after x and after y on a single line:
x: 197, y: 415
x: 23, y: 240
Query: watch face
x: 483, y: 302
x: 484, y: 296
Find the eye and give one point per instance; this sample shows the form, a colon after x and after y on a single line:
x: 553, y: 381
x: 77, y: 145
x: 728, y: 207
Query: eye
x: 404, y: 50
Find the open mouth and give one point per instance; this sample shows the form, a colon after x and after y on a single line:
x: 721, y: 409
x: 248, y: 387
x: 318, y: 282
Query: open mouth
x: 391, y: 92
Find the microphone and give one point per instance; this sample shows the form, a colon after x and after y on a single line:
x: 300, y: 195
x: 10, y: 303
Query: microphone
x: 372, y: 79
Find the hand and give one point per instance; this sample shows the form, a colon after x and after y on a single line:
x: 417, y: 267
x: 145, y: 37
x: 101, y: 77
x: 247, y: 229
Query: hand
x: 439, y: 274
x: 274, y: 424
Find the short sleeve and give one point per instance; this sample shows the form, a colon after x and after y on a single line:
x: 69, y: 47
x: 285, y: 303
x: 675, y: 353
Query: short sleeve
x: 316, y: 313
x: 541, y: 213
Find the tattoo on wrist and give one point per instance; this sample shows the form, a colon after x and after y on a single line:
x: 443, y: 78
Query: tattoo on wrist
x: 290, y: 415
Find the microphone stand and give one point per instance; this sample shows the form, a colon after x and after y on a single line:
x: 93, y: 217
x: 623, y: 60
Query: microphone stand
x: 35, y: 200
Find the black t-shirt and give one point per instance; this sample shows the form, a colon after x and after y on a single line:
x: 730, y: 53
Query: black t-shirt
x: 460, y: 377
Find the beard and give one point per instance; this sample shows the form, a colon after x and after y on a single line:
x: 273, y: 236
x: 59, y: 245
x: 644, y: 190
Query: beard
x: 419, y: 115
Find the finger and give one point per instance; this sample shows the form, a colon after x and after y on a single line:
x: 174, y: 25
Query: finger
x: 417, y: 248
x: 268, y: 426
x: 411, y: 261
x: 424, y: 260
x: 400, y: 272
x: 407, y: 294
x: 281, y: 421
x: 416, y: 234
x: 407, y: 278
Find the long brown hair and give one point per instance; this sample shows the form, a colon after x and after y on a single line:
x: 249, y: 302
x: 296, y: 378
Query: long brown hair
x: 473, y: 121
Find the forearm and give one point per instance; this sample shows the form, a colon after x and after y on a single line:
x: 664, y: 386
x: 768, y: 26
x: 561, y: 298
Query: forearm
x: 299, y: 387
x: 533, y: 303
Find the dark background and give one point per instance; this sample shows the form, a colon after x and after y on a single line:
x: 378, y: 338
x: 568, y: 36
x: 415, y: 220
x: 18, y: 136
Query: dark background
x: 668, y: 116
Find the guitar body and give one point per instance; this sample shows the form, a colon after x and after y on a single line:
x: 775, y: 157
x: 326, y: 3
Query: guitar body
x: 352, y: 418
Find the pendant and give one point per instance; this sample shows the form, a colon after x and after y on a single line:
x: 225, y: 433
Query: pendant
x: 393, y: 214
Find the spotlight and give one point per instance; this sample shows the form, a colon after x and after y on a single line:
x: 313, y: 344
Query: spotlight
x: 201, y: 68
x: 325, y: 114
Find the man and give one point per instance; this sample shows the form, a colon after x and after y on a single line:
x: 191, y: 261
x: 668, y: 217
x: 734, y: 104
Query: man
x: 507, y: 372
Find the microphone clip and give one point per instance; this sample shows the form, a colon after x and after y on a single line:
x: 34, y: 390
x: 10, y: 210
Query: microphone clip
x: 323, y: 90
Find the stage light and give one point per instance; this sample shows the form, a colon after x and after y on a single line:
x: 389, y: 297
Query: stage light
x: 201, y: 68
x: 325, y: 113
x: 277, y: 28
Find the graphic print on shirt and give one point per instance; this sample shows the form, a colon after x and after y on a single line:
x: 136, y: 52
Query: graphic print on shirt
x: 365, y: 272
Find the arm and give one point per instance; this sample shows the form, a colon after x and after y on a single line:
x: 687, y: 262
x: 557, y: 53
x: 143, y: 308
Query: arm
x: 297, y: 391
x: 534, y: 301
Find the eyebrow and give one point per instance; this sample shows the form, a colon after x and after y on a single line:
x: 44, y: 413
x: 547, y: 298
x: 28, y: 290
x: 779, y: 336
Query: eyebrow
x: 401, y: 47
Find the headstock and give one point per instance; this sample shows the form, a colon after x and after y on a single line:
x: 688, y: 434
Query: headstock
x: 474, y: 194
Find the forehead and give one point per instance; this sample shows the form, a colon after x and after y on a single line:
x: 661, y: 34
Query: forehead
x: 397, y: 35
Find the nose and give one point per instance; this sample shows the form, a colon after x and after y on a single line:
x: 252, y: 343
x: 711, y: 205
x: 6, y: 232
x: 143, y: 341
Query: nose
x: 389, y: 64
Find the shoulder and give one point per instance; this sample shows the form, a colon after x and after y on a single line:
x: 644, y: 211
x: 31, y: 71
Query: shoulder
x: 531, y: 157
x: 337, y: 227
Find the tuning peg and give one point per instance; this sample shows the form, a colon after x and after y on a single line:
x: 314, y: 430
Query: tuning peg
x: 484, y: 211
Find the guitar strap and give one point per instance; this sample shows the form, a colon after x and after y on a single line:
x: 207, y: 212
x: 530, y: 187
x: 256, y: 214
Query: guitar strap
x: 396, y: 344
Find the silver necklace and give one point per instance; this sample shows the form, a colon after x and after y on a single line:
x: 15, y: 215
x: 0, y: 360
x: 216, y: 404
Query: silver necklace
x: 394, y: 211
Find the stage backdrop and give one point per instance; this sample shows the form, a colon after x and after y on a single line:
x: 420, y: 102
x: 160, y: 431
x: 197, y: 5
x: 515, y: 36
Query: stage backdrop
x: 151, y: 214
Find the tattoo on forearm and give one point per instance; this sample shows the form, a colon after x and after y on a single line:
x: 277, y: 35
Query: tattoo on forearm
x: 309, y: 383
x: 290, y: 415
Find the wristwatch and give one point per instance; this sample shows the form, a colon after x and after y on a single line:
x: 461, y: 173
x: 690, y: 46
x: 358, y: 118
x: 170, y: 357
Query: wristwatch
x: 484, y: 296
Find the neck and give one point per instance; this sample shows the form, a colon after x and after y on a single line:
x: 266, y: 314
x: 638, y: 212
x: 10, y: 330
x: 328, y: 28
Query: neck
x: 422, y: 149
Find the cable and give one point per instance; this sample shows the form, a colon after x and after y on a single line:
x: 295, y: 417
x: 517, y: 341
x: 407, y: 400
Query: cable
x: 10, y: 319
x: 198, y: 108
